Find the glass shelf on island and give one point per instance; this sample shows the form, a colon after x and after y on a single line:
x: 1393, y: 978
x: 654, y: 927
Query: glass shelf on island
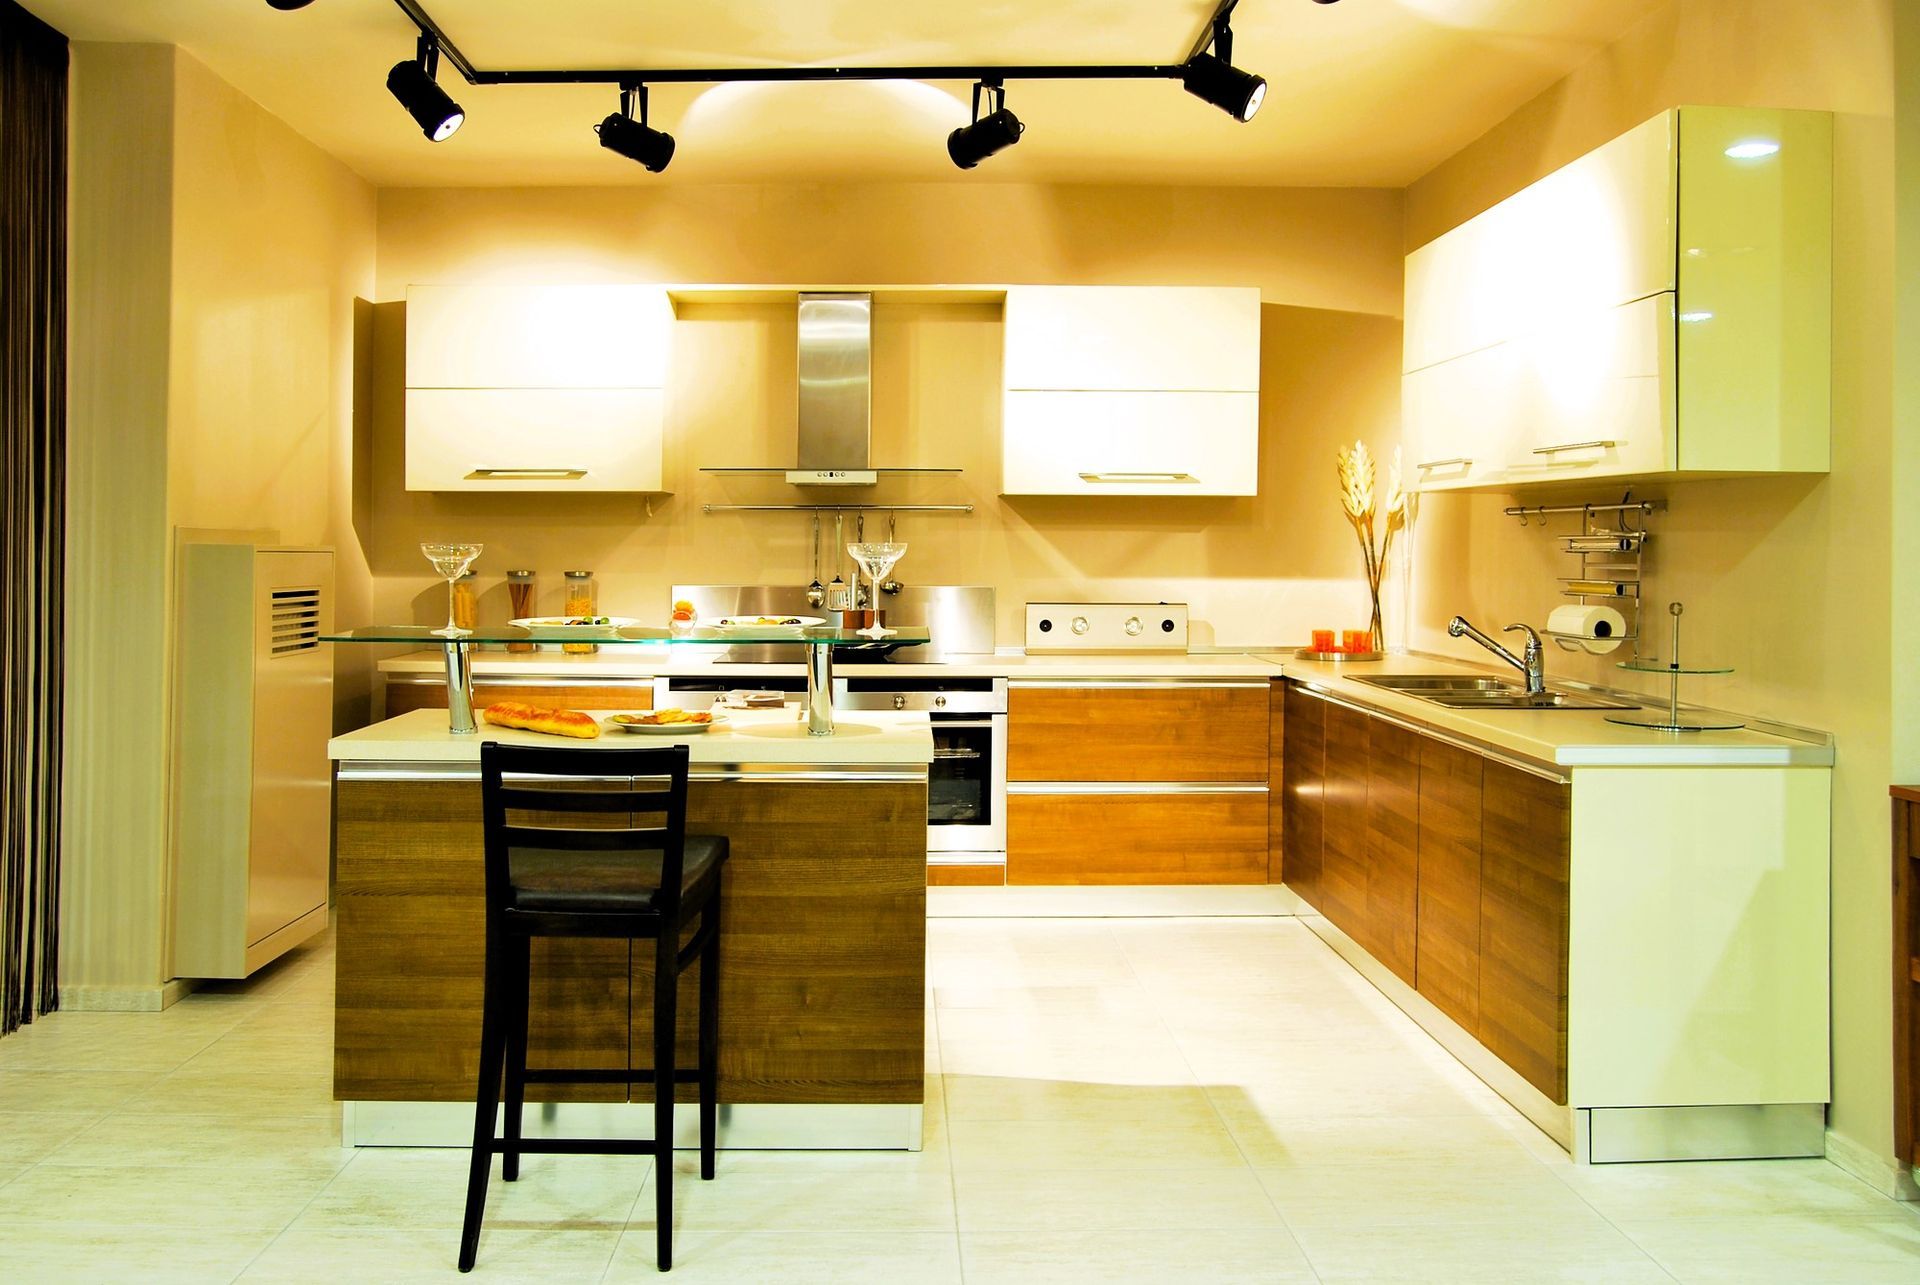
x: 1647, y: 665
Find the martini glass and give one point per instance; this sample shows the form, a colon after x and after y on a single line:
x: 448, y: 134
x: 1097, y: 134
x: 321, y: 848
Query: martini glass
x: 451, y: 561
x: 877, y: 559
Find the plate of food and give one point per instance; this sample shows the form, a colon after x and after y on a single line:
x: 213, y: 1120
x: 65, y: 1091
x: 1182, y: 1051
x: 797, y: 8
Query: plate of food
x: 665, y: 722
x: 574, y: 626
x: 767, y: 624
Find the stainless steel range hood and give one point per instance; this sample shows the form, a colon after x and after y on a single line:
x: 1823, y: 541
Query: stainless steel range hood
x: 836, y: 391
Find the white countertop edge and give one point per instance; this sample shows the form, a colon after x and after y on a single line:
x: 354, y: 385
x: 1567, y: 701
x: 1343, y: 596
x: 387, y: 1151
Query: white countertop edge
x: 652, y: 663
x: 864, y: 739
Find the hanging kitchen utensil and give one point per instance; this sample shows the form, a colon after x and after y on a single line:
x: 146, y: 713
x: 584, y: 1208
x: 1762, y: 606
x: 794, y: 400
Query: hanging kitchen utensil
x: 838, y: 599
x: 816, y: 592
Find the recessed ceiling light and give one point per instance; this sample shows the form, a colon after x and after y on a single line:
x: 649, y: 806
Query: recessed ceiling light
x: 1753, y: 149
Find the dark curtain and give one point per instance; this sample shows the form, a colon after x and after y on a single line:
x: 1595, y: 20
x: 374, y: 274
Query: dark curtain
x: 33, y: 492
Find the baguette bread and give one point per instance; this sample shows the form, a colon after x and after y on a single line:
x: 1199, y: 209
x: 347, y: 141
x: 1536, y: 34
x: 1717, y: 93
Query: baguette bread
x: 532, y: 718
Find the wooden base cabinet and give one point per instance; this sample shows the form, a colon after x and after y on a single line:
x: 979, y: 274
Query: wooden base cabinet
x: 1906, y: 972
x: 1149, y: 782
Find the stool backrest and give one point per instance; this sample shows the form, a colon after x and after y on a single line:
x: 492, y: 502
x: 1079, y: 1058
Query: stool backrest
x: 550, y: 780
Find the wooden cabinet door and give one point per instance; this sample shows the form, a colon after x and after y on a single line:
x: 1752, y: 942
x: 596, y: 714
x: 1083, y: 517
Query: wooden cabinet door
x: 1524, y: 849
x: 1343, y: 824
x: 1172, y: 733
x: 1276, y: 763
x: 1137, y: 838
x: 1302, y: 781
x: 1447, y: 942
x: 1393, y: 824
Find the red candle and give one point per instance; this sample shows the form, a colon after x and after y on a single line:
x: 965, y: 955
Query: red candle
x: 1358, y: 641
x: 1323, y: 640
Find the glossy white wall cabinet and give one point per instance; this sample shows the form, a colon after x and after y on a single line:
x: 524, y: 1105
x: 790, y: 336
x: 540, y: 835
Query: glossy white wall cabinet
x: 1131, y: 390
x: 1658, y: 307
x: 545, y: 388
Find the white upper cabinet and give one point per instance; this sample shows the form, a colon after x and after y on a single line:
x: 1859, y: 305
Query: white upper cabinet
x: 1659, y: 306
x: 550, y: 388
x: 1131, y: 390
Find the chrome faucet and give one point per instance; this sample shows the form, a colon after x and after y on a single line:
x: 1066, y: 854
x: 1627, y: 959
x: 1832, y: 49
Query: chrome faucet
x: 1533, y: 665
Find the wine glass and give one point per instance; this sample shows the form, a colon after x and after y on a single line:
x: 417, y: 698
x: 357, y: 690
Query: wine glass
x: 451, y: 561
x: 876, y: 558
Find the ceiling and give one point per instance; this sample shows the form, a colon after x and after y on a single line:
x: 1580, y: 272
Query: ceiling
x: 1361, y: 93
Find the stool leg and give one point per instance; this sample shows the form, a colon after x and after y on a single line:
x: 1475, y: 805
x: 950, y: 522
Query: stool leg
x: 520, y: 962
x: 486, y: 1098
x: 666, y: 994
x: 709, y: 1034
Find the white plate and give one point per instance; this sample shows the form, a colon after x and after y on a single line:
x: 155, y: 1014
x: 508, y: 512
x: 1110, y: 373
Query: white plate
x: 557, y: 626
x: 667, y: 729
x: 754, y: 624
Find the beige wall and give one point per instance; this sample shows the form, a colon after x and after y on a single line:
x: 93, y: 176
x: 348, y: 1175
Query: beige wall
x: 216, y: 259
x: 1260, y: 569
x: 1788, y: 579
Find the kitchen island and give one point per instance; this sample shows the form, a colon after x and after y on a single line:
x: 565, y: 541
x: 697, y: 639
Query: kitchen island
x: 822, y: 994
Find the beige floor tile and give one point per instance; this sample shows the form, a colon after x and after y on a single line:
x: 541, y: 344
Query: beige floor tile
x: 332, y: 1255
x: 1114, y: 1199
x: 1378, y: 1089
x: 1786, y: 1247
x: 220, y: 1200
x: 88, y: 1093
x: 986, y: 1097
x: 163, y: 1142
x: 26, y: 1137
x: 164, y: 1252
x: 405, y: 1188
x: 215, y: 1089
x: 794, y: 1257
x: 989, y: 1146
x: 1282, y: 1141
x: 154, y: 1049
x: 1485, y: 1253
x: 841, y: 1200
x: 1728, y: 1189
x: 1219, y: 1257
x: 1445, y: 1191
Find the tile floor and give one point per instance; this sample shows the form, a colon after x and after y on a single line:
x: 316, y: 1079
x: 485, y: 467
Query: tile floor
x: 1124, y: 1099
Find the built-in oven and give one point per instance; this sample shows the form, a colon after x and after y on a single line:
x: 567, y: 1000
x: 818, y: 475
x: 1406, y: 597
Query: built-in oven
x: 967, y: 780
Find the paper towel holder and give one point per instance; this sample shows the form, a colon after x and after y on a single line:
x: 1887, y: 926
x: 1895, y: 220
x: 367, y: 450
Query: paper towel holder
x: 1611, y: 546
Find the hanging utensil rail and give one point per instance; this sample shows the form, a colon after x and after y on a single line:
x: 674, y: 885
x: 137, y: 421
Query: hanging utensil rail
x: 835, y: 508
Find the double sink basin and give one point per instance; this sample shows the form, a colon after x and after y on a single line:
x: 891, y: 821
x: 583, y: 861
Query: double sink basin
x: 1461, y: 691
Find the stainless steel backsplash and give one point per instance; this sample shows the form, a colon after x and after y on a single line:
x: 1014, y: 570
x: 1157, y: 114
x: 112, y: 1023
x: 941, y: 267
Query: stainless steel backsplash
x: 958, y: 617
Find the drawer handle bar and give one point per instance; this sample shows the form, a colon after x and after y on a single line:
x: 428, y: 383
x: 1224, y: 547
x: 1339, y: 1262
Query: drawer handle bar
x: 1454, y: 463
x: 1602, y: 444
x: 527, y: 474
x: 1138, y: 477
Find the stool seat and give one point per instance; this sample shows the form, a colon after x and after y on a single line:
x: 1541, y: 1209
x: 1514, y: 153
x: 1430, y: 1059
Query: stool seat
x: 607, y: 882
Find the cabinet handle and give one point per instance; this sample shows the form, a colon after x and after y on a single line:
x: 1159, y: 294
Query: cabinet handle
x: 527, y: 474
x: 1138, y: 477
x: 1604, y: 444
x: 1427, y: 464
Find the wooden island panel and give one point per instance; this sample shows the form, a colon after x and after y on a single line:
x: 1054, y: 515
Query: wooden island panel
x: 823, y: 953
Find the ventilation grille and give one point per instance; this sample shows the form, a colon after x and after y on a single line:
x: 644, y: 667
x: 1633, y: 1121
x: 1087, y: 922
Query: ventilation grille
x: 296, y: 620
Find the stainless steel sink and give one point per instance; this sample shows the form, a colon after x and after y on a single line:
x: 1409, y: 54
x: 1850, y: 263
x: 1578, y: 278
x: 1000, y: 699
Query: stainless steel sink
x: 1463, y: 691
x: 1432, y: 685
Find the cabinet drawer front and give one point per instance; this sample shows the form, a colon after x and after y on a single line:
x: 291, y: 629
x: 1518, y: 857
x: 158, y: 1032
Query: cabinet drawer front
x: 1133, y: 337
x: 1137, y: 443
x: 1136, y: 838
x: 1151, y: 734
x: 549, y: 336
x: 517, y: 439
x: 402, y: 697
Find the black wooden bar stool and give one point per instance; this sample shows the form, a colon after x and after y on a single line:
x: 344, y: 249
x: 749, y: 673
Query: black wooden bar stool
x: 637, y: 881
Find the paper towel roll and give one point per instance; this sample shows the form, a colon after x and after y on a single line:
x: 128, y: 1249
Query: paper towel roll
x: 1601, y: 628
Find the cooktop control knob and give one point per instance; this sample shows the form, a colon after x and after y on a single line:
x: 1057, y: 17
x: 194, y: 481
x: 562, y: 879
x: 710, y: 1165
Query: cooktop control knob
x: 1081, y: 624
x: 1166, y: 626
x: 1134, y: 626
x: 1046, y: 626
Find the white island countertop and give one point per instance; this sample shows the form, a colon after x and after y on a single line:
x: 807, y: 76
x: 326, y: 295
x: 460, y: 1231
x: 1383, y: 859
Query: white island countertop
x: 747, y: 736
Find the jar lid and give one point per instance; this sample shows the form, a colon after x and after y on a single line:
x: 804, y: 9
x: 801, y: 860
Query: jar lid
x: 519, y: 575
x: 578, y: 575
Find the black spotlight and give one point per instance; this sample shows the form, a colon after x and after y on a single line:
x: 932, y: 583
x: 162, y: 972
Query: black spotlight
x: 998, y: 130
x: 430, y: 106
x: 288, y: 6
x: 1212, y: 77
x: 631, y: 137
